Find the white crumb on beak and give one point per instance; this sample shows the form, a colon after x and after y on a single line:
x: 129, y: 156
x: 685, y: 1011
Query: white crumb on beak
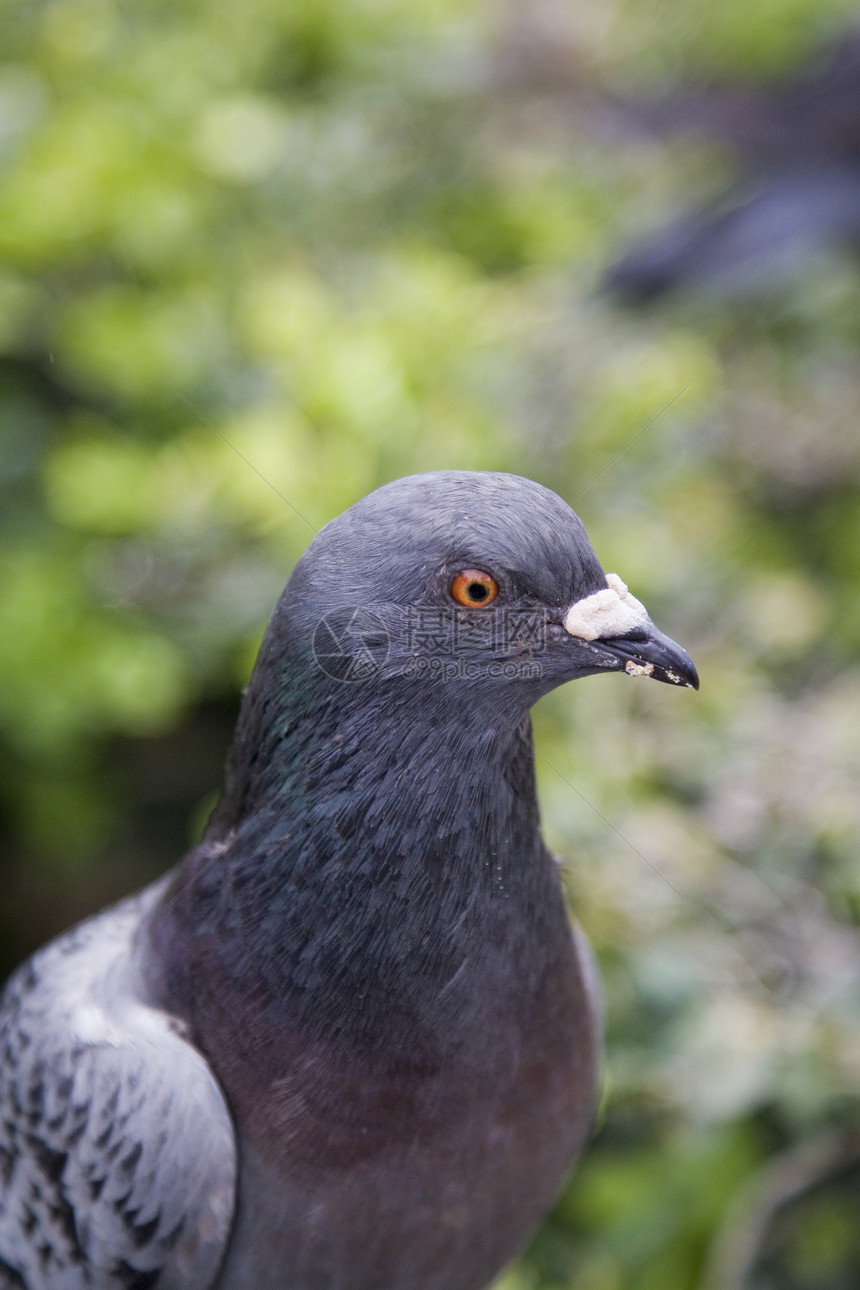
x: 611, y: 612
x: 632, y: 668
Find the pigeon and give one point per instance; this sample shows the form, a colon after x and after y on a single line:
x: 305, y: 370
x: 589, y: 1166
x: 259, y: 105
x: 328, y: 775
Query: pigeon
x: 350, y: 1042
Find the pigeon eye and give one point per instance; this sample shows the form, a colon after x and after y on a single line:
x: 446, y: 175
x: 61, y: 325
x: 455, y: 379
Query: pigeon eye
x: 474, y: 589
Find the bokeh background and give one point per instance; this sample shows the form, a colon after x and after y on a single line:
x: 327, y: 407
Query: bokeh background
x: 258, y: 259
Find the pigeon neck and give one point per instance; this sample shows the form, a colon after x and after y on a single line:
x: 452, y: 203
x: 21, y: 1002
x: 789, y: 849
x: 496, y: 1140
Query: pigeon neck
x: 377, y: 847
x: 303, y: 737
x: 396, y: 768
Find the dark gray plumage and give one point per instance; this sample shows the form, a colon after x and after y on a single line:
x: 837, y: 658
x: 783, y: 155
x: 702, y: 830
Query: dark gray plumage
x: 349, y: 1043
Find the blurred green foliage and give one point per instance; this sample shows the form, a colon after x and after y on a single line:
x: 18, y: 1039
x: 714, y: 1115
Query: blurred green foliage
x: 257, y: 260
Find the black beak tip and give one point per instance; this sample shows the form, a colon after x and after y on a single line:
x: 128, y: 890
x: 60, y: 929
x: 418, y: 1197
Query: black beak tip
x: 650, y: 653
x: 685, y: 675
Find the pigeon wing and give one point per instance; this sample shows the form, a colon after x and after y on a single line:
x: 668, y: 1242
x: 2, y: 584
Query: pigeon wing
x: 117, y: 1151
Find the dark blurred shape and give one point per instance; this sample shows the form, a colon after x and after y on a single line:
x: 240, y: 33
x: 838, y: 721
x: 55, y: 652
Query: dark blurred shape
x: 797, y: 143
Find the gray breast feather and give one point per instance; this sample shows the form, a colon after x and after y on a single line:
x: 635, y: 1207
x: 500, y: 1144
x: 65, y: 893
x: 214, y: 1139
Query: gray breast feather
x: 117, y: 1151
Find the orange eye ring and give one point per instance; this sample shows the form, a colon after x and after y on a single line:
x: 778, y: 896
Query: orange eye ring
x: 474, y: 589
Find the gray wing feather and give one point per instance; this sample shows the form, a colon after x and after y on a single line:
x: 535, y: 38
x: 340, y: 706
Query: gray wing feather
x: 117, y: 1151
x: 590, y: 974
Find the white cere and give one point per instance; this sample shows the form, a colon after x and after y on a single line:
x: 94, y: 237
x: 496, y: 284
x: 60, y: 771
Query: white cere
x: 611, y: 612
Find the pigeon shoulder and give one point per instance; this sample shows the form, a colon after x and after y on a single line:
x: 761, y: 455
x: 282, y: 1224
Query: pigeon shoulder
x: 117, y: 1150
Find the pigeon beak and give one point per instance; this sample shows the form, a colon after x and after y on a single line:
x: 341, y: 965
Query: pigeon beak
x: 617, y: 627
x: 648, y: 652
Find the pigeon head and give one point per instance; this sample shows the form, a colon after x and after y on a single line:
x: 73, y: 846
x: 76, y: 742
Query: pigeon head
x: 478, y: 580
x: 435, y: 596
